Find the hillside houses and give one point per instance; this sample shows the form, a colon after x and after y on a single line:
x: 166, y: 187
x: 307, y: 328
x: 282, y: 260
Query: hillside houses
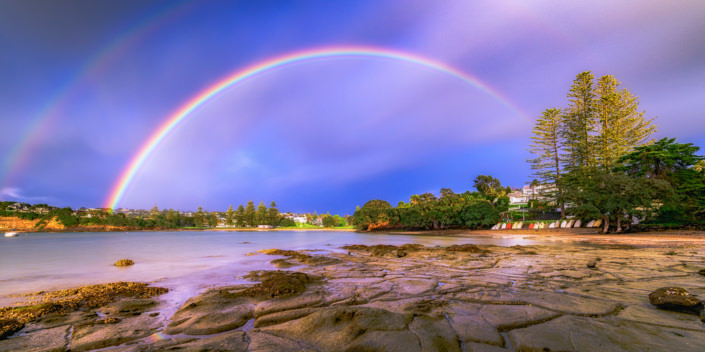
x: 18, y: 207
x: 528, y: 192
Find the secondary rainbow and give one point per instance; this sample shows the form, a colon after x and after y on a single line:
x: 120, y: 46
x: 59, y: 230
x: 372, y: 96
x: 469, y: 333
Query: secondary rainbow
x: 268, y: 65
x: 50, y: 111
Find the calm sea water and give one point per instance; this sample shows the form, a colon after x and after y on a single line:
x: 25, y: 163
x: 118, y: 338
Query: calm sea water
x: 184, y: 261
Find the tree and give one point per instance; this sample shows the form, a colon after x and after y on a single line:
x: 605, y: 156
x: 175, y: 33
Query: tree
x: 261, y: 213
x: 621, y: 126
x: 199, y: 218
x: 699, y: 166
x: 546, y: 145
x: 478, y: 213
x: 328, y: 221
x: 250, y: 219
x: 662, y: 159
x: 489, y: 186
x: 374, y: 212
x: 173, y: 218
x: 616, y: 198
x: 676, y: 164
x: 579, y: 123
x: 240, y: 216
x: 213, y: 219
x: 273, y: 214
x: 286, y: 222
x: 339, y: 221
x: 230, y: 216
x: 154, y: 213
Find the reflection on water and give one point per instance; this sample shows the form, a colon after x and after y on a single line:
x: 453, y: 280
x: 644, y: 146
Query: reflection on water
x: 184, y: 261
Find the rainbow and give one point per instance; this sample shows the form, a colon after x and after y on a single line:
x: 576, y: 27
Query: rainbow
x: 96, y: 64
x: 268, y: 65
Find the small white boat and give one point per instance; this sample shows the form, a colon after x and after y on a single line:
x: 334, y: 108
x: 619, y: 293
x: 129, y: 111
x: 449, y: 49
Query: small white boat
x: 10, y: 234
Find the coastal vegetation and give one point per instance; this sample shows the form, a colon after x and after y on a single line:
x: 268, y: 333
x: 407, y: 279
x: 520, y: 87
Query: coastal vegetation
x: 599, y: 161
x: 43, y: 217
x: 593, y: 159
x: 429, y: 212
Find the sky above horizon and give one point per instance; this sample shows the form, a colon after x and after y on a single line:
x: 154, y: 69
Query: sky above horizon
x: 85, y: 84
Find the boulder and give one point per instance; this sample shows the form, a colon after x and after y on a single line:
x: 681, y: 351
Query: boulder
x: 675, y: 298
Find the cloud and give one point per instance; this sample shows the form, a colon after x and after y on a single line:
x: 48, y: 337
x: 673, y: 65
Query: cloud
x: 14, y: 193
x: 11, y: 192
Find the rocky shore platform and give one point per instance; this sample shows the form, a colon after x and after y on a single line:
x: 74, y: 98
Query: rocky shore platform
x: 579, y: 297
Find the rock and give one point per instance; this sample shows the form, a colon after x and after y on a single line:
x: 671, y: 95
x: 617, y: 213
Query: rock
x: 282, y: 317
x: 124, y: 262
x: 675, y: 298
x: 347, y: 328
x: 592, y: 264
x: 647, y: 315
x: 472, y: 328
x: 277, y: 283
x: 506, y: 317
x: 401, y: 253
x: 470, y: 248
x: 212, y: 312
x: 43, y: 340
x: 573, y: 333
x: 413, y: 286
x: 231, y: 341
x: 9, y: 327
x: 261, y: 342
x: 308, y: 299
x: 481, y: 347
x: 701, y: 271
x: 129, y: 307
x: 281, y: 263
x: 111, y: 320
x: 435, y: 334
x: 95, y: 336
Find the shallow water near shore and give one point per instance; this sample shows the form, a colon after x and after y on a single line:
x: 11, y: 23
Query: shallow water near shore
x: 184, y: 261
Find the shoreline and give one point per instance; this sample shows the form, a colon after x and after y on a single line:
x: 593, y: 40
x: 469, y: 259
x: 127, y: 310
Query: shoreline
x: 563, y: 233
x: 483, y: 297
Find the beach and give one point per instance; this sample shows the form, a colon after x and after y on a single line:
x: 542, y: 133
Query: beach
x: 474, y: 291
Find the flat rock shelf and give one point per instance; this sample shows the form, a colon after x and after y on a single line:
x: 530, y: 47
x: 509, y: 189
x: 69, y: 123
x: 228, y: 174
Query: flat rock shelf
x: 411, y: 298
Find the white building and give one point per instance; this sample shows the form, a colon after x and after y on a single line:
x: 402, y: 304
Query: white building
x: 527, y: 193
x: 518, y: 197
x: 301, y: 219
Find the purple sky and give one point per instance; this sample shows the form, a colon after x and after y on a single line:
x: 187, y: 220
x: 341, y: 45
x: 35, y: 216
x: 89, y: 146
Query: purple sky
x: 325, y: 135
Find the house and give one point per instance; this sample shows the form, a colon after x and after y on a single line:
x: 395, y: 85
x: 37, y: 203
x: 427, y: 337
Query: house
x: 318, y: 221
x: 540, y: 192
x: 19, y: 207
x: 518, y: 197
x: 264, y: 226
x: 297, y: 218
x: 528, y: 192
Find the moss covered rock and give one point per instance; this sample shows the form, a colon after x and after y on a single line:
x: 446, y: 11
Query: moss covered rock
x: 124, y: 262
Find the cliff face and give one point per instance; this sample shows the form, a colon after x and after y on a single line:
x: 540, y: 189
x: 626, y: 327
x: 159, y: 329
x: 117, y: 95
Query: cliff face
x: 8, y: 223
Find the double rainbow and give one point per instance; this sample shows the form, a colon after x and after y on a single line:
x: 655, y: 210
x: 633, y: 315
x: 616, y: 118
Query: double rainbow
x: 268, y: 65
x: 50, y: 111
